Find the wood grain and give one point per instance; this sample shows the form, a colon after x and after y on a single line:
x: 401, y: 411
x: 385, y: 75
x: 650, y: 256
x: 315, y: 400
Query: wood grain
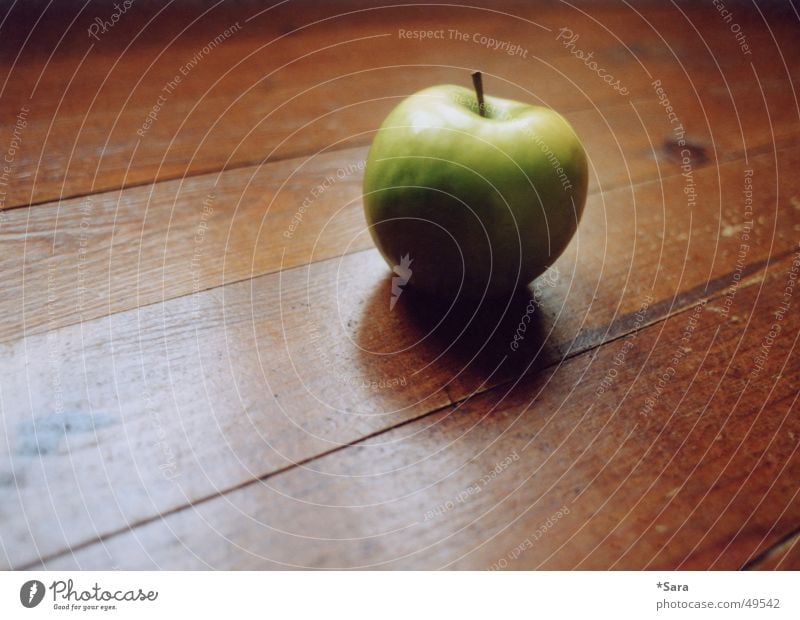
x: 290, y: 83
x: 784, y: 555
x: 185, y: 384
x: 696, y: 471
x: 308, y: 359
x: 148, y: 244
x: 143, y: 245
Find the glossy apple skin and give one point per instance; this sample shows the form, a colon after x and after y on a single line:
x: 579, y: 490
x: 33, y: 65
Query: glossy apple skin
x: 478, y: 203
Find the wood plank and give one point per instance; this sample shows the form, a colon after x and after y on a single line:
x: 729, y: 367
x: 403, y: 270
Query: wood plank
x: 144, y: 245
x: 176, y: 401
x: 148, y: 244
x: 280, y: 87
x: 699, y: 470
x: 785, y: 555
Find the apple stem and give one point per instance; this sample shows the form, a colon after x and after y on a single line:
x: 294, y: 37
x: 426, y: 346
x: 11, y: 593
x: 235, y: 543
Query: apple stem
x: 477, y: 82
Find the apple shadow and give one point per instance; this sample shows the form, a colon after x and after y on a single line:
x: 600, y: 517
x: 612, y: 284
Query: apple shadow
x: 469, y: 343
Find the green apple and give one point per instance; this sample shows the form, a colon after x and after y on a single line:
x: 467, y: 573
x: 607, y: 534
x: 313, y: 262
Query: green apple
x: 478, y: 199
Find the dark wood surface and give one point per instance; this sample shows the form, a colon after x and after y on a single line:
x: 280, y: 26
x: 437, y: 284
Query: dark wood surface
x: 183, y: 386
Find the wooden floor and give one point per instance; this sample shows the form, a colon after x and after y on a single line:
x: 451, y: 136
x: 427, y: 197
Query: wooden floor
x: 189, y: 382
